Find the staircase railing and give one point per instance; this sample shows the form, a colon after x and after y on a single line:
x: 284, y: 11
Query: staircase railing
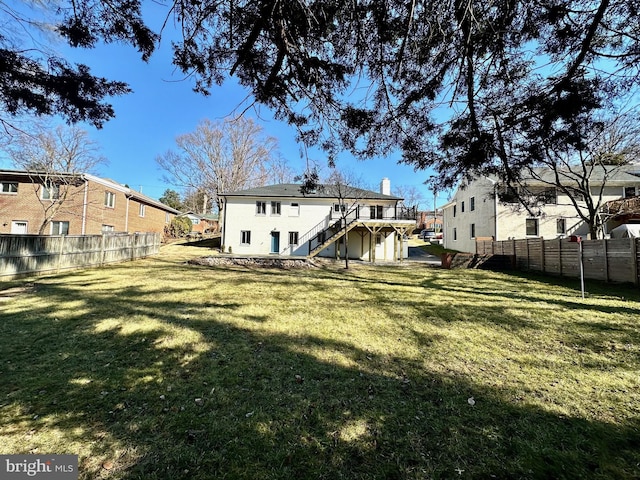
x: 338, y: 232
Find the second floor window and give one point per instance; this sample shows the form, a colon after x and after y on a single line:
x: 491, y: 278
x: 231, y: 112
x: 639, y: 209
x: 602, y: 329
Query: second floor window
x: 50, y: 191
x: 472, y: 204
x: 109, y: 199
x: 275, y: 208
x: 261, y: 208
x: 294, y: 210
x: 8, y: 187
x: 376, y: 211
x: 142, y: 210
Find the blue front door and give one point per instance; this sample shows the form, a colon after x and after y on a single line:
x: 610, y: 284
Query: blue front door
x: 275, y: 242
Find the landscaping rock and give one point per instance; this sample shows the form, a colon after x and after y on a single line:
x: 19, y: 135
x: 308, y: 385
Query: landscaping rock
x: 255, y: 262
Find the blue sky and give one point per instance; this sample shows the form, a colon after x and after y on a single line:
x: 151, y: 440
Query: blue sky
x: 163, y: 106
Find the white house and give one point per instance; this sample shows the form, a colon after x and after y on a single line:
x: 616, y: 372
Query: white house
x: 484, y: 209
x: 280, y: 220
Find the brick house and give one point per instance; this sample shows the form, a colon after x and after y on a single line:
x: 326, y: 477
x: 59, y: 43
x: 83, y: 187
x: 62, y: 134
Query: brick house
x: 75, y: 204
x: 430, y: 220
x: 202, y: 223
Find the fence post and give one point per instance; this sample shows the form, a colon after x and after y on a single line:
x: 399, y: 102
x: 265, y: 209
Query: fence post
x: 102, y: 250
x: 559, y: 257
x: 634, y: 262
x: 606, y: 260
x: 60, y: 253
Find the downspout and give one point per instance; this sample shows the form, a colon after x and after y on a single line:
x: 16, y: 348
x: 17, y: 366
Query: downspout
x: 84, y: 206
x: 223, y: 212
x: 126, y: 218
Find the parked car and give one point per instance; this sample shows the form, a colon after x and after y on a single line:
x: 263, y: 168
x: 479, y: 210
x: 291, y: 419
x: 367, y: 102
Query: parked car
x: 427, y: 234
x: 430, y: 235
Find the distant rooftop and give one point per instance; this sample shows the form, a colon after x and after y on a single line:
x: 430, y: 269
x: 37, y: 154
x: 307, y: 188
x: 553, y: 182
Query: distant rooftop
x: 292, y: 190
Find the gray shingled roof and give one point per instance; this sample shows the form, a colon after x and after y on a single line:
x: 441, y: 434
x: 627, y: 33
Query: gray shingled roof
x: 612, y: 175
x: 292, y: 190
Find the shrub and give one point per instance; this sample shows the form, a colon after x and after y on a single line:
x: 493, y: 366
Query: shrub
x: 179, y: 227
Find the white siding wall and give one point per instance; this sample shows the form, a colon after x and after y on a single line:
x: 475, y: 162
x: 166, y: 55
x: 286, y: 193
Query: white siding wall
x: 240, y: 215
x: 458, y: 228
x: 511, y: 217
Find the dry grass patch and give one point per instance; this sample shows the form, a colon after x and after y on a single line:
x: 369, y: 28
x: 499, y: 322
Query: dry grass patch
x: 159, y: 369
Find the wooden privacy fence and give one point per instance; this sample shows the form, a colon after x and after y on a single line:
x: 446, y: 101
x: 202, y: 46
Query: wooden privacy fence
x: 35, y: 254
x: 610, y: 260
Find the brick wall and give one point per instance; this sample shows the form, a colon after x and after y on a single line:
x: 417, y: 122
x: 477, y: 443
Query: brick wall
x: 26, y: 205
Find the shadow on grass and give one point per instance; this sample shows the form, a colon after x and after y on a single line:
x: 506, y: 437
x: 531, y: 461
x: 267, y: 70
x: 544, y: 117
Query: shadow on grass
x: 234, y: 402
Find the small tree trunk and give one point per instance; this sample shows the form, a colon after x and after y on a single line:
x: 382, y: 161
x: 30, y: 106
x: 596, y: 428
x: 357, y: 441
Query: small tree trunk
x: 346, y: 247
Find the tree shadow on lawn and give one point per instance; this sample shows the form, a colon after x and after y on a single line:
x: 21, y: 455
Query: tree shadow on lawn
x: 231, y: 402
x: 522, y: 286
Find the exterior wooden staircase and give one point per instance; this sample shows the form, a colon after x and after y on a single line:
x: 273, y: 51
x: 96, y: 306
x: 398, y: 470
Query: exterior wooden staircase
x: 332, y: 234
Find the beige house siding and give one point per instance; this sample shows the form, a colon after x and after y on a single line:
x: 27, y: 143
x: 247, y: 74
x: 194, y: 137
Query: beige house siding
x: 512, y: 217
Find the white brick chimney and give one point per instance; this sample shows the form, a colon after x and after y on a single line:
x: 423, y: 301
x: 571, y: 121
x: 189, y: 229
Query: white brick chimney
x: 385, y: 186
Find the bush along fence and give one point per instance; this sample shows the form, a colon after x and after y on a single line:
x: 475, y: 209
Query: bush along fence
x: 611, y: 260
x: 35, y: 254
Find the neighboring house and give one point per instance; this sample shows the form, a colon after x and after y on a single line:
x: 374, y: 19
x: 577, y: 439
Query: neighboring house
x: 280, y: 220
x: 202, y: 223
x: 75, y: 204
x: 430, y: 220
x: 484, y: 209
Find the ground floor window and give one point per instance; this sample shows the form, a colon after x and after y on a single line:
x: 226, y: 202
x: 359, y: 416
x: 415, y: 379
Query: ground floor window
x: 19, y: 227
x: 293, y: 238
x: 108, y: 228
x: 455, y: 233
x: 473, y: 230
x: 532, y: 227
x: 245, y: 237
x: 561, y: 226
x: 59, y: 228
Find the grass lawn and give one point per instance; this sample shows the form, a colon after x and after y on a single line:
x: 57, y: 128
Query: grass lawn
x: 157, y: 369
